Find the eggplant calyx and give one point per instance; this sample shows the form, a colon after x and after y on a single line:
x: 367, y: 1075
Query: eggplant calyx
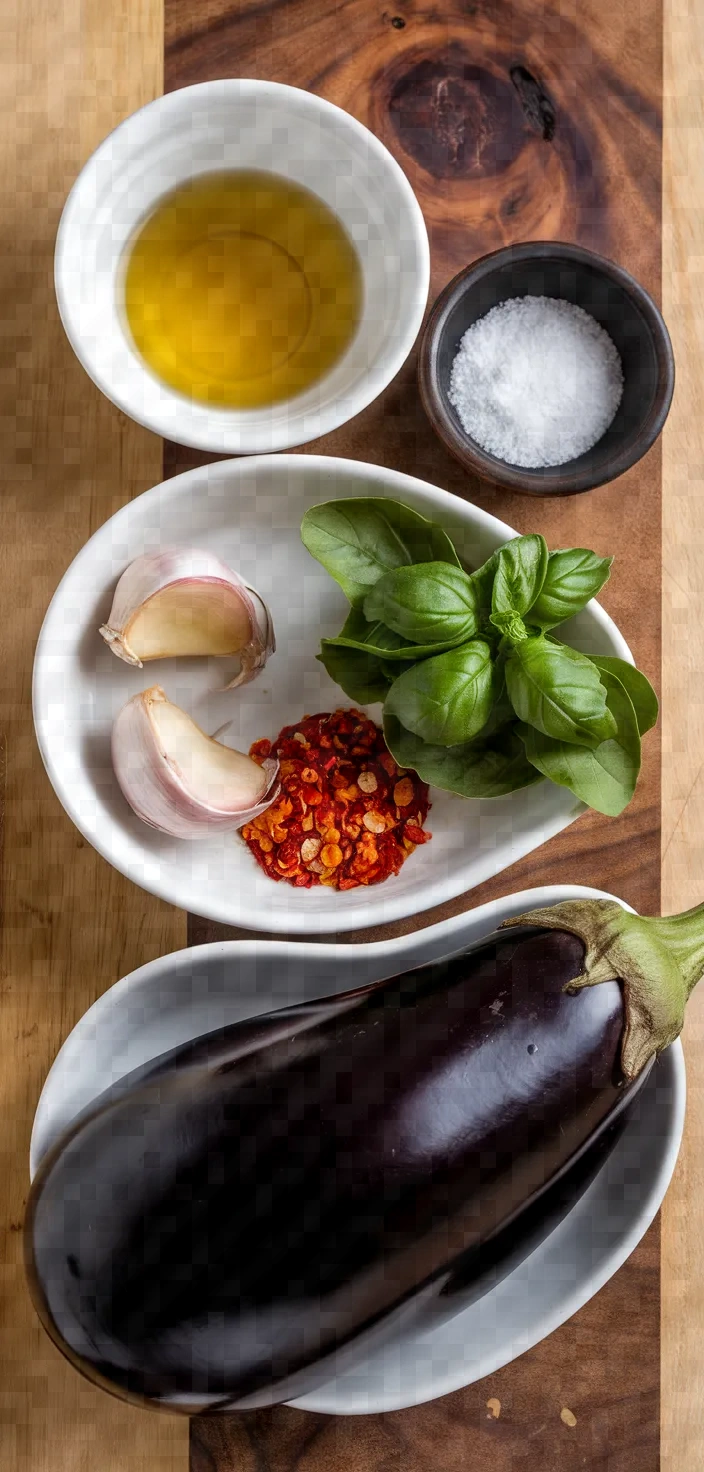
x: 657, y: 961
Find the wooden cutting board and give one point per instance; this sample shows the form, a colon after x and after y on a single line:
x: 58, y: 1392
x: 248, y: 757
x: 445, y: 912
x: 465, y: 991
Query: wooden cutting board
x: 512, y: 121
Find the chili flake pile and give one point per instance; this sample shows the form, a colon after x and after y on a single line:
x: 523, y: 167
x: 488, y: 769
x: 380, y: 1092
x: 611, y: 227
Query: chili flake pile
x: 346, y: 814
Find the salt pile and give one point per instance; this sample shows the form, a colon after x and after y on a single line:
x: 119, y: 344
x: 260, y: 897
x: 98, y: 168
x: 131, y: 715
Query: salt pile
x: 536, y: 382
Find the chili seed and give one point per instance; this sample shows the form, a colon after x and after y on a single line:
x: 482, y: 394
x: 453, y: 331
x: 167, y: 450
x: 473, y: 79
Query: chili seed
x: 309, y: 776
x: 331, y: 856
x: 367, y: 782
x: 403, y: 792
x: 310, y: 848
x: 374, y: 823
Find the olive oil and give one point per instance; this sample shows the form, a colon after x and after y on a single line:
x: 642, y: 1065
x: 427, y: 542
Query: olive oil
x: 242, y: 289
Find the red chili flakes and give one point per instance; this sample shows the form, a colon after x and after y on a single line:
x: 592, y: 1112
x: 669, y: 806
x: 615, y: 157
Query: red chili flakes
x: 346, y: 815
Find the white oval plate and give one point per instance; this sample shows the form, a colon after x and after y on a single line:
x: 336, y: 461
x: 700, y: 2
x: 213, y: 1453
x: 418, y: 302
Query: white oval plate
x: 182, y: 996
x: 249, y: 512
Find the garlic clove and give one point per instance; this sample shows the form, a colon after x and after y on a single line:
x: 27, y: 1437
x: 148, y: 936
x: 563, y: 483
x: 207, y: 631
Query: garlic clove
x: 263, y: 643
x: 178, y: 779
x: 181, y: 602
x: 190, y: 617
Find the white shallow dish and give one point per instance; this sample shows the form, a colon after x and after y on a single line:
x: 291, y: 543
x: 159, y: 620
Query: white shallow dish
x: 249, y: 512
x: 182, y: 996
x: 240, y: 123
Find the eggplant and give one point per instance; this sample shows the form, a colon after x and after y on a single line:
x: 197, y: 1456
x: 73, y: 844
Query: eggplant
x: 260, y: 1207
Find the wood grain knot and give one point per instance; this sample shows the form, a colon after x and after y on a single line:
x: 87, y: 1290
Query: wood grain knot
x: 457, y: 120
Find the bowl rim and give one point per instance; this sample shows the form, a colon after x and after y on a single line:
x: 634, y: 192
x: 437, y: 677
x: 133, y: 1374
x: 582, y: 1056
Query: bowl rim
x: 222, y: 435
x: 523, y: 478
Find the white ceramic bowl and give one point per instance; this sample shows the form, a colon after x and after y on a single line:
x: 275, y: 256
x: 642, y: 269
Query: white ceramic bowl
x: 185, y: 995
x: 249, y: 512
x: 235, y: 124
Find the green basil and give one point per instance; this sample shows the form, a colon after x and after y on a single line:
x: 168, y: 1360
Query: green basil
x: 573, y: 576
x: 479, y: 697
x: 446, y: 699
x: 431, y: 603
x: 603, y: 777
x: 377, y: 638
x: 359, y: 539
x: 483, y: 580
x: 558, y: 691
x: 360, y: 675
x: 519, y: 577
x: 502, y: 713
x: 637, y: 687
x: 471, y: 769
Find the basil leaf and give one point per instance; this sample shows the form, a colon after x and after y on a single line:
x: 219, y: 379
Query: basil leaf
x: 430, y: 603
x: 360, y: 675
x: 502, y: 712
x: 446, y: 699
x: 605, y: 777
x: 483, y: 580
x: 573, y: 577
x: 376, y: 638
x: 558, y: 691
x: 519, y: 577
x: 360, y: 538
x: 471, y: 769
x: 637, y: 687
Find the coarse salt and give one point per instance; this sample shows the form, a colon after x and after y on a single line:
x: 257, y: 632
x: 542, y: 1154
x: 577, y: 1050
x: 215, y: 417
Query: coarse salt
x: 536, y: 381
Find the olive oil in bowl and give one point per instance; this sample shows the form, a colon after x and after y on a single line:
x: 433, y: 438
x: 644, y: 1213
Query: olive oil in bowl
x: 242, y: 289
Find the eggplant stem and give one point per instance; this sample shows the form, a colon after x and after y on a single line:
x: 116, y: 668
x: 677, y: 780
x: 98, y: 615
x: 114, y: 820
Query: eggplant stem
x: 658, y: 961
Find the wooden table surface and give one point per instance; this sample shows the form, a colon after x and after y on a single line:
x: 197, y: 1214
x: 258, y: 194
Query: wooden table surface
x: 507, y: 126
x: 72, y: 69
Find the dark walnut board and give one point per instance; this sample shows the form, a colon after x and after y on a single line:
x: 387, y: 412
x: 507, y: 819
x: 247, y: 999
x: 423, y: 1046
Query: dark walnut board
x: 515, y: 121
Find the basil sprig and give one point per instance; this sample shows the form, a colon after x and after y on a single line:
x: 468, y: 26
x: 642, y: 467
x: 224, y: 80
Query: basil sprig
x: 480, y: 697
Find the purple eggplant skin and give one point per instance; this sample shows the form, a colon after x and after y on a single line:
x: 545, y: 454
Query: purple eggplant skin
x: 207, y: 1235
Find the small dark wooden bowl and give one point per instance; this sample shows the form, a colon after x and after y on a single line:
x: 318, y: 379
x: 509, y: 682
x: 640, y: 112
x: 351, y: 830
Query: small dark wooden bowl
x: 614, y: 298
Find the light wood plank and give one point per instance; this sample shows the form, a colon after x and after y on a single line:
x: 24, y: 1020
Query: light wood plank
x: 71, y: 70
x: 682, y: 1375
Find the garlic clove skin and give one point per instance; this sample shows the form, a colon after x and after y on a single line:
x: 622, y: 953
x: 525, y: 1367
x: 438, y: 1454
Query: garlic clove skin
x: 181, y: 781
x: 263, y: 643
x: 184, y: 602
